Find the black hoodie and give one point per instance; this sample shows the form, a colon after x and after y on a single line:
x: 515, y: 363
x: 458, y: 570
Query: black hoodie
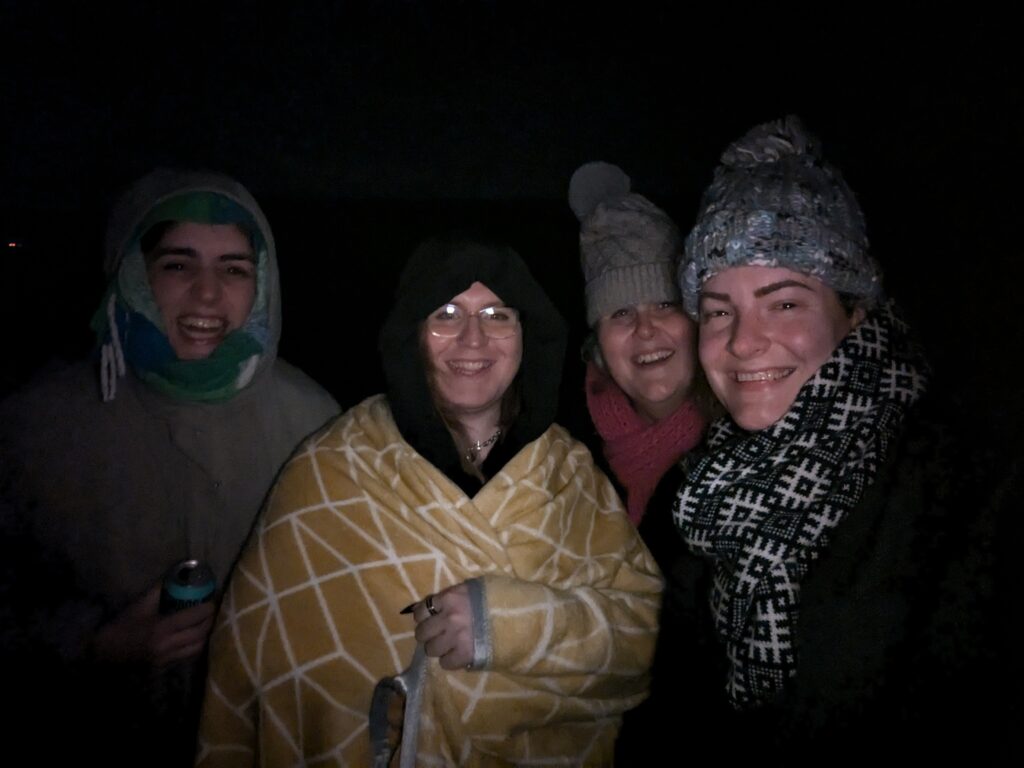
x: 440, y: 269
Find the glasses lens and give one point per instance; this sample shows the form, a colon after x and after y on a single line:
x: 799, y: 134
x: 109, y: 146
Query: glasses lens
x: 446, y: 322
x: 495, y: 322
x: 499, y: 322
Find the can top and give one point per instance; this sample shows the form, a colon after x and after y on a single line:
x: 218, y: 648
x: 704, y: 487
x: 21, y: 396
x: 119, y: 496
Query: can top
x: 190, y: 573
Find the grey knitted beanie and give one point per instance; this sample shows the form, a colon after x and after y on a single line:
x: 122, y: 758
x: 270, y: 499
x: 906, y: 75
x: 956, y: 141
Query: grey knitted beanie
x: 628, y: 246
x: 776, y: 202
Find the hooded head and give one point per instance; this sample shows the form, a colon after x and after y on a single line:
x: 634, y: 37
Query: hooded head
x: 628, y: 246
x: 131, y: 329
x: 775, y: 202
x: 439, y: 270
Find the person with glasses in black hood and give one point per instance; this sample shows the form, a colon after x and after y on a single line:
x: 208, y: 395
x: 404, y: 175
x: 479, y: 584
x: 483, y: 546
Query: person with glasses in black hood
x: 449, y: 522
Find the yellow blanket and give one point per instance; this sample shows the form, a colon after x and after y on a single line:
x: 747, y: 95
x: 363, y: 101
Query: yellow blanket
x: 359, y: 526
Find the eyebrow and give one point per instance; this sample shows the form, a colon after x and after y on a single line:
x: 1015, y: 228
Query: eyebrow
x: 192, y: 253
x: 758, y: 292
x: 773, y: 287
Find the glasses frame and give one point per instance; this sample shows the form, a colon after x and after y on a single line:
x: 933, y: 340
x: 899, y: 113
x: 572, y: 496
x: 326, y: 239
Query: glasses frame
x: 480, y: 314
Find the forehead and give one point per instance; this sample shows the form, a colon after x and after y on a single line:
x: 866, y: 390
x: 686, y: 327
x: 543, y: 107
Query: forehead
x: 476, y: 296
x: 225, y: 238
x: 737, y: 282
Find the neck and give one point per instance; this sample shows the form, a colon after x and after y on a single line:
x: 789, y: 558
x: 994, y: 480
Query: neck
x: 478, y: 428
x: 652, y: 413
x: 476, y: 437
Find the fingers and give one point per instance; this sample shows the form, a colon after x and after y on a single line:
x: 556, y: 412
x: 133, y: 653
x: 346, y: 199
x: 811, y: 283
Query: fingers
x: 182, y: 635
x: 189, y: 617
x: 447, y: 633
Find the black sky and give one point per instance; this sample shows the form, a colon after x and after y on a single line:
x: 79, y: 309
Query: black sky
x: 483, y: 99
x: 343, y: 113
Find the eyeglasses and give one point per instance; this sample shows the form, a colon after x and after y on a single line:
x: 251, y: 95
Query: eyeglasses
x: 495, y: 322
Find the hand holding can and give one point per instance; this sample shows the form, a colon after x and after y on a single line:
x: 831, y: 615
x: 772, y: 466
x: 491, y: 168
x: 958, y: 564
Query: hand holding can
x: 187, y: 583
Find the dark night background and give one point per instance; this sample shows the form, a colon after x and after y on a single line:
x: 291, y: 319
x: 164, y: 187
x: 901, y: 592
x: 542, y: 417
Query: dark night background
x: 362, y: 127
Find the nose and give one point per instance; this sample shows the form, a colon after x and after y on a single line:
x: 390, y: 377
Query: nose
x: 472, y: 333
x: 747, y: 338
x: 206, y: 286
x: 644, y: 325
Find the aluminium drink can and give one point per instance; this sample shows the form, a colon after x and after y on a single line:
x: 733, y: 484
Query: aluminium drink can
x: 188, y: 583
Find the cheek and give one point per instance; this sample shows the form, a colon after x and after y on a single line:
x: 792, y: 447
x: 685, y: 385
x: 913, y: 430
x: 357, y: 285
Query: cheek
x: 515, y: 354
x: 243, y: 296
x: 709, y: 349
x: 682, y: 331
x: 818, y: 344
x: 432, y: 347
x: 613, y: 350
x: 165, y: 289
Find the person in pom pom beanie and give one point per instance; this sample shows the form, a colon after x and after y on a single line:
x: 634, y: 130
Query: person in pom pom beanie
x: 645, y: 392
x: 643, y: 381
x: 103, y: 488
x: 837, y: 571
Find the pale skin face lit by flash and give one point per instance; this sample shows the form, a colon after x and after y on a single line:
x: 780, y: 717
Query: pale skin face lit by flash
x: 472, y: 371
x: 764, y: 331
x: 649, y: 351
x: 203, y: 279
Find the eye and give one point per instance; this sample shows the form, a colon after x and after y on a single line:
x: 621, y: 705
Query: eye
x: 668, y: 306
x: 623, y: 315
x: 707, y: 315
x: 172, y: 265
x: 447, y: 313
x: 240, y: 270
x: 786, y: 305
x: 498, y: 314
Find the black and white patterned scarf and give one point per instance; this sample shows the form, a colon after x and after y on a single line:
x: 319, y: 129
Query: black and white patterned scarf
x: 762, y: 505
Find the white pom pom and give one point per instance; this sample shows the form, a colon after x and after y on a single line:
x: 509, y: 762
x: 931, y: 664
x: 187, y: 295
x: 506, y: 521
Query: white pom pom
x: 595, y: 183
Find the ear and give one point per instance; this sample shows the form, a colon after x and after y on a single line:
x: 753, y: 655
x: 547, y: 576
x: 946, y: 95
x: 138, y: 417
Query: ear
x: 857, y: 316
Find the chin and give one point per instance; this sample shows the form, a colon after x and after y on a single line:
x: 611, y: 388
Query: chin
x: 756, y: 419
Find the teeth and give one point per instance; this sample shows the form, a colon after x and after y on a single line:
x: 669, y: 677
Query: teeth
x: 770, y: 375
x: 653, y: 357
x: 469, y: 366
x: 203, y: 323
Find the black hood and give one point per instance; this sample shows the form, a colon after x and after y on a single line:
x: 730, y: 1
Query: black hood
x: 438, y: 270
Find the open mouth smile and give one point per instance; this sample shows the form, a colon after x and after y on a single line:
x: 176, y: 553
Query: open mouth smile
x: 197, y: 328
x: 469, y: 367
x: 650, y: 358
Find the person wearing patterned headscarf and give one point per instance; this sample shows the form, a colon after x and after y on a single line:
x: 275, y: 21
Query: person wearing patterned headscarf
x: 448, y: 528
x: 161, y: 450
x: 820, y: 516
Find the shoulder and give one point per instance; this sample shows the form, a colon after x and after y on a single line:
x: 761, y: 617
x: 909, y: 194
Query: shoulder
x: 290, y: 381
x: 55, y: 405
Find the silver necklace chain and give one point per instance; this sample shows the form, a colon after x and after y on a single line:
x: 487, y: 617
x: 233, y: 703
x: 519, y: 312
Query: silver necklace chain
x: 479, y: 445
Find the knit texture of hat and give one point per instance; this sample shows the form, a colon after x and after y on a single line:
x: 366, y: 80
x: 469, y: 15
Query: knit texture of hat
x: 775, y: 202
x: 628, y: 246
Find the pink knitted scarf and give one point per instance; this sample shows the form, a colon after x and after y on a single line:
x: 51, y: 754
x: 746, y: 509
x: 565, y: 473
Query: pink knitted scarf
x: 639, y: 453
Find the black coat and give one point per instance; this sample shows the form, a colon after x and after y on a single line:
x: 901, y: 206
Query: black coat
x: 898, y: 637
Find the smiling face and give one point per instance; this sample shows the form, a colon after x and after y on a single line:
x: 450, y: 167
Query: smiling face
x: 649, y: 352
x: 203, y: 278
x: 764, y: 332
x: 471, y: 371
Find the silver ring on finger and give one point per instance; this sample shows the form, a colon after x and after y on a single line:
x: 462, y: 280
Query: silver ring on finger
x: 432, y: 609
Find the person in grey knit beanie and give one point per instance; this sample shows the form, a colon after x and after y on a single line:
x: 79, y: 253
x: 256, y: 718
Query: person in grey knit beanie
x: 628, y: 246
x: 775, y: 202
